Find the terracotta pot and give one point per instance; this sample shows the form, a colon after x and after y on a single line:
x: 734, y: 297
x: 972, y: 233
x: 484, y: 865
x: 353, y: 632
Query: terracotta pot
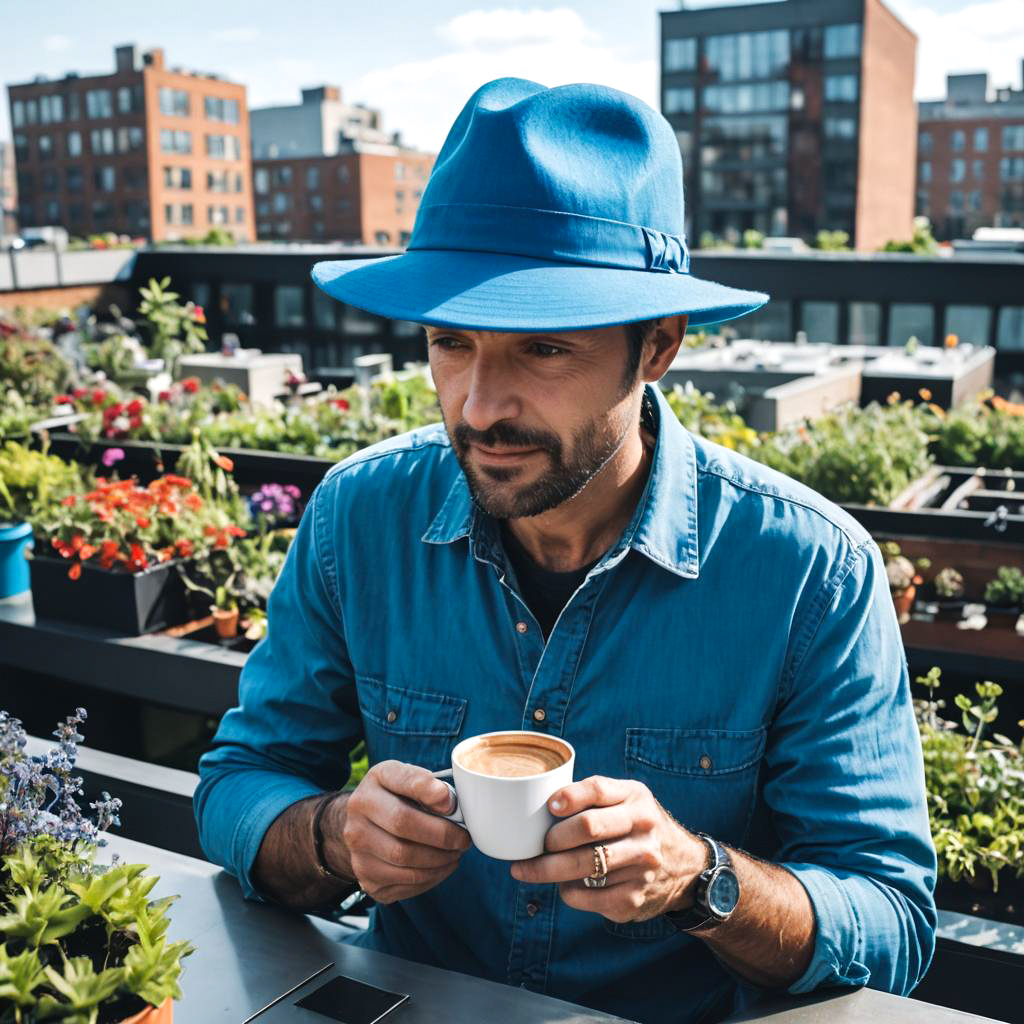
x: 904, y: 601
x: 225, y: 622
x: 162, y: 1014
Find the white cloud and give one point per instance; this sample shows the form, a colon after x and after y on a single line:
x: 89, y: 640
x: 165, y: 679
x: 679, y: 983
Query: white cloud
x: 987, y: 36
x: 503, y: 28
x: 57, y: 43
x: 240, y: 34
x: 422, y: 98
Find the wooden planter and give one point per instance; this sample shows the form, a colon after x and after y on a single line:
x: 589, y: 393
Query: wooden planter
x: 162, y: 1014
x: 124, y: 602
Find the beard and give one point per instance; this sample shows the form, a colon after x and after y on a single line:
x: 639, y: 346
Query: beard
x: 493, y: 488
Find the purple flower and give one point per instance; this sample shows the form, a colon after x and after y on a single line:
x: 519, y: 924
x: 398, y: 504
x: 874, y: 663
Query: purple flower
x: 112, y: 455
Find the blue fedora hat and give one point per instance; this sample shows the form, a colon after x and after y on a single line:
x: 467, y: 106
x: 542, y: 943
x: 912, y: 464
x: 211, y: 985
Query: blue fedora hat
x: 547, y: 209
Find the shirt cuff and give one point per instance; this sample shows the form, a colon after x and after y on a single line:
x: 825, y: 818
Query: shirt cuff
x: 261, y: 797
x: 837, y: 931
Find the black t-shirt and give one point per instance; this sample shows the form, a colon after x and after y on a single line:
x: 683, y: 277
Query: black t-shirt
x: 545, y: 592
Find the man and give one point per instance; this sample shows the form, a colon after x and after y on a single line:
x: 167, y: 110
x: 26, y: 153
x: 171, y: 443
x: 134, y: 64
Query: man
x: 716, y: 641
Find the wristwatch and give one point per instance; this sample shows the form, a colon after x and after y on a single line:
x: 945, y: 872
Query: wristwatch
x: 718, y: 892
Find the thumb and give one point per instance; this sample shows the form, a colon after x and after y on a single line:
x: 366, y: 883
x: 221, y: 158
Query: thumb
x: 440, y: 798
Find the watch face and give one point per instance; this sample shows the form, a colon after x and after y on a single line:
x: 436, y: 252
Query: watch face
x: 723, y: 893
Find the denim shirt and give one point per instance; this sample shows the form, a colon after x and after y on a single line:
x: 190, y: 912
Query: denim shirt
x: 736, y: 650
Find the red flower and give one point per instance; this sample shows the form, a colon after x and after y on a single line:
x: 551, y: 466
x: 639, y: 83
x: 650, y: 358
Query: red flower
x: 342, y: 403
x: 142, y: 522
x: 75, y: 571
x: 165, y: 396
x: 184, y: 547
x: 86, y: 552
x: 236, y: 531
x: 62, y: 399
x: 71, y: 499
x: 221, y: 542
x: 135, y: 407
x: 138, y: 559
x: 190, y: 385
x: 199, y: 315
x: 165, y: 554
x: 224, y: 462
x: 98, y: 395
x: 80, y: 392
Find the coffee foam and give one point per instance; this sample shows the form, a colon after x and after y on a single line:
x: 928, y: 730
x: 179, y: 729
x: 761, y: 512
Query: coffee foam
x: 512, y: 757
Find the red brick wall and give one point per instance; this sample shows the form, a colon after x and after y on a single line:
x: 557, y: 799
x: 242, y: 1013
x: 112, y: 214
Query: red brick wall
x: 888, y: 125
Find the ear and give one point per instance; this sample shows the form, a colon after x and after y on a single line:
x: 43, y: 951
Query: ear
x: 661, y: 347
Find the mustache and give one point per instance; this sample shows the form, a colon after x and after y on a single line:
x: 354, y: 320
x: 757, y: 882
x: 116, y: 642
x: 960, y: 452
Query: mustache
x: 499, y: 434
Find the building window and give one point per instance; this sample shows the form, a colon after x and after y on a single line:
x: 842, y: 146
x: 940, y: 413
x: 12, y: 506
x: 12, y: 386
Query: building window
x: 105, y: 179
x: 52, y: 208
x: 134, y: 176
x: 865, y: 319
x: 312, y: 177
x: 129, y: 139
x: 924, y: 142
x: 129, y: 99
x: 45, y: 147
x: 236, y: 304
x: 748, y: 55
x: 821, y: 321
x: 343, y: 173
x: 73, y: 111
x: 1010, y: 328
x: 51, y: 109
x: 678, y: 101
x: 217, y: 181
x: 1011, y: 168
x: 958, y: 141
x: 49, y: 181
x: 841, y: 88
x: 842, y: 41
x: 178, y: 213
x: 840, y: 128
x: 239, y: 214
x: 102, y: 210
x: 281, y: 202
x: 261, y: 181
x: 263, y: 207
x: 282, y: 176
x: 924, y: 173
x: 958, y: 170
x: 1013, y: 137
x: 98, y: 103
x: 223, y: 147
x: 18, y: 113
x: 974, y: 202
x: 217, y: 109
x: 175, y: 141
x: 288, y: 310
x: 741, y: 139
x: 382, y: 237
x: 238, y: 181
x: 74, y: 143
x: 316, y: 202
x: 217, y: 214
x: 20, y: 146
x: 981, y: 140
x: 76, y: 213
x: 679, y: 55
x: 907, y: 320
x: 102, y: 140
x: 173, y: 102
x: 177, y: 177
x: 745, y: 99
x: 344, y: 205
x: 978, y: 169
x: 956, y: 201
x: 73, y: 177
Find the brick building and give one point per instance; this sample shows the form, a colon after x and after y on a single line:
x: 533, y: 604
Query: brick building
x: 8, y: 191
x: 793, y: 117
x: 147, y: 150
x: 326, y: 170
x: 970, y: 157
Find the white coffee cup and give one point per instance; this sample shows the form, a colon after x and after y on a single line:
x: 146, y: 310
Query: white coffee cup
x: 507, y: 817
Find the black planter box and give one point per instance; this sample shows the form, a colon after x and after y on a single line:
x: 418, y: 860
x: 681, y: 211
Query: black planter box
x: 124, y: 602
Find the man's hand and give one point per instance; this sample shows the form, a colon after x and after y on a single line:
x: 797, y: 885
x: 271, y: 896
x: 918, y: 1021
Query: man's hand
x: 653, y: 862
x: 391, y: 846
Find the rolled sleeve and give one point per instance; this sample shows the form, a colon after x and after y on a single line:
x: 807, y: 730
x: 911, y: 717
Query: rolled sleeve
x: 297, y: 718
x: 845, y: 785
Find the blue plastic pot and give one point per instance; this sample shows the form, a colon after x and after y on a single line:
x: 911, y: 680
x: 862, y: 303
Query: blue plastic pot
x: 14, y: 539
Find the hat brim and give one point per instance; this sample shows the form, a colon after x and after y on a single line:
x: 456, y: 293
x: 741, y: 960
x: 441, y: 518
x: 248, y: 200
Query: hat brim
x: 497, y: 292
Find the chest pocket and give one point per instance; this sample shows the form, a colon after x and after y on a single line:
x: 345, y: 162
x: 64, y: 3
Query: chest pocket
x: 706, y: 779
x: 414, y: 726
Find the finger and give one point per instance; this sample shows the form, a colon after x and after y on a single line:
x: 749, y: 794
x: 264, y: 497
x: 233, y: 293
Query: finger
x: 376, y: 875
x: 621, y: 899
x: 589, y: 827
x: 416, y: 783
x: 596, y: 791
x: 403, y: 852
x: 406, y: 820
x: 574, y: 865
x: 393, y: 893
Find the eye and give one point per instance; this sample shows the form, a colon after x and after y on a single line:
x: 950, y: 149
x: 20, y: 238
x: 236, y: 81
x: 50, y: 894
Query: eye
x: 546, y: 351
x: 446, y: 342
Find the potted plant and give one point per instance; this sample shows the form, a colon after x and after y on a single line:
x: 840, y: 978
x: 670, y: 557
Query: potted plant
x: 1004, y: 596
x: 948, y: 588
x: 30, y: 482
x: 225, y: 613
x: 79, y: 941
x: 118, y: 544
x: 904, y: 578
x: 975, y: 789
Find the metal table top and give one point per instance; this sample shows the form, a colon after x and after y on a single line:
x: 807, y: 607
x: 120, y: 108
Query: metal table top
x: 250, y: 954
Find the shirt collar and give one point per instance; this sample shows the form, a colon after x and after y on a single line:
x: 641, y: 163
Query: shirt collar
x: 665, y: 526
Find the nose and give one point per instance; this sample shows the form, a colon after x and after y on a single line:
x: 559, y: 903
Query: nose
x: 491, y: 394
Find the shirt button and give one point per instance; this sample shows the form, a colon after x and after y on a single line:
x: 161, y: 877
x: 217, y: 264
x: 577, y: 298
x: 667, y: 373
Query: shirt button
x: 392, y: 715
x: 521, y: 627
x: 706, y: 763
x: 539, y: 715
x: 531, y: 909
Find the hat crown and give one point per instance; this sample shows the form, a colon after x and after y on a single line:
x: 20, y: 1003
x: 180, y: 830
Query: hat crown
x: 586, y: 151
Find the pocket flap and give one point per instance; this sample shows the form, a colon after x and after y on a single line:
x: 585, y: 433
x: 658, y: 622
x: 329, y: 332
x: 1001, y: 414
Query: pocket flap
x: 700, y: 752
x: 407, y: 712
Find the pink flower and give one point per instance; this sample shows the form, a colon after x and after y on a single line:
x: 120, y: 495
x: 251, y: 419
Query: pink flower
x: 112, y: 455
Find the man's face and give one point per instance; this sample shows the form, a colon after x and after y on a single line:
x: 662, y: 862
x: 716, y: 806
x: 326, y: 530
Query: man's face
x: 532, y: 417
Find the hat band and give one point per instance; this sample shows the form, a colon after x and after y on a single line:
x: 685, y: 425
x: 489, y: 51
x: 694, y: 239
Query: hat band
x: 549, y: 235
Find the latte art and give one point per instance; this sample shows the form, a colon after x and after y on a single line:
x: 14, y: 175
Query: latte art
x: 513, y: 758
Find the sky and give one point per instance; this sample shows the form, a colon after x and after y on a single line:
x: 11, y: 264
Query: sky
x: 419, y: 62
